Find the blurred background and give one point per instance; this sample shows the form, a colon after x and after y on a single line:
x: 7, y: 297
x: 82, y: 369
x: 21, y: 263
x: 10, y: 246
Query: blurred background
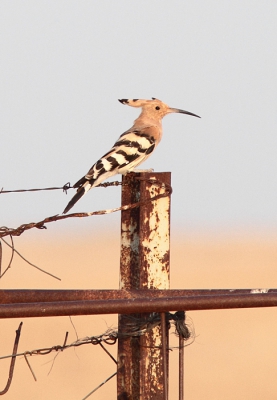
x: 63, y: 66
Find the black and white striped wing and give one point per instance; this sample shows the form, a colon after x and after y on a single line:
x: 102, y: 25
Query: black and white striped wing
x: 131, y: 149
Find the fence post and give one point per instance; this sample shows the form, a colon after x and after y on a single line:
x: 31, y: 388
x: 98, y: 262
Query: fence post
x: 144, y: 264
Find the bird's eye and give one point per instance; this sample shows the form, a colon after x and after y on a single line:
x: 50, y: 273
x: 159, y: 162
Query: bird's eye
x: 157, y: 108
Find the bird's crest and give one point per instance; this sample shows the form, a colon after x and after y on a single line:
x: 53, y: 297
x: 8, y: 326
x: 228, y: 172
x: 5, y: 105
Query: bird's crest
x: 139, y: 102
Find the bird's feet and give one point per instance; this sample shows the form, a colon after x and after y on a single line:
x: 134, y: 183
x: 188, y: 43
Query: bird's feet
x: 142, y: 170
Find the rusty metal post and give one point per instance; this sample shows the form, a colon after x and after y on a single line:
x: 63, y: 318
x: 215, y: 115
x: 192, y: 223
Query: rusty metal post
x: 128, y: 347
x: 144, y: 265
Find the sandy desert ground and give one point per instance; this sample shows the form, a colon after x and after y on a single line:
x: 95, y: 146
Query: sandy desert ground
x: 234, y: 353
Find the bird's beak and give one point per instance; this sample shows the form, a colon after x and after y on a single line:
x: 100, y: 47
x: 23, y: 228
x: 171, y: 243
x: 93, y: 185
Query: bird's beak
x: 176, y: 110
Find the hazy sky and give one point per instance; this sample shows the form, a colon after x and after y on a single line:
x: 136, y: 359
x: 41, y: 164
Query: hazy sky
x: 64, y: 64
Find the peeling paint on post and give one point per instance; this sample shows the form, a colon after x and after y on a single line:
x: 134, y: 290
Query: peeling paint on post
x: 145, y: 236
x: 154, y: 235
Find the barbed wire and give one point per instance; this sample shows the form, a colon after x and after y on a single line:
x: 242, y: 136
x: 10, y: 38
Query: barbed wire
x: 5, y: 231
x: 64, y: 188
x: 136, y: 327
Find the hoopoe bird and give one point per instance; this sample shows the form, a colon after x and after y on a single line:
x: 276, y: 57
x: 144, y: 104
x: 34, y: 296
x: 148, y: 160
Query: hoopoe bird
x: 132, y: 148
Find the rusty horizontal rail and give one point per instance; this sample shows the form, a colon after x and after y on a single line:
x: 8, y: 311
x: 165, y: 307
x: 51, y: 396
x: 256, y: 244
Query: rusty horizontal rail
x: 143, y: 304
x: 8, y: 296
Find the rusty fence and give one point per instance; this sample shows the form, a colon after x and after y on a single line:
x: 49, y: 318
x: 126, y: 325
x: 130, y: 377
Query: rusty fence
x: 144, y: 299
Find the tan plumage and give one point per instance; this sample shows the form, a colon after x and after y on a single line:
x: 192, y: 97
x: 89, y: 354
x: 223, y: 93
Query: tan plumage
x: 132, y: 148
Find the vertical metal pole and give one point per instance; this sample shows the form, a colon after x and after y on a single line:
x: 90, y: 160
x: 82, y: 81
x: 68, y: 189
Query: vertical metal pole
x: 181, y: 368
x: 181, y: 317
x: 128, y: 348
x: 145, y: 265
x: 165, y: 354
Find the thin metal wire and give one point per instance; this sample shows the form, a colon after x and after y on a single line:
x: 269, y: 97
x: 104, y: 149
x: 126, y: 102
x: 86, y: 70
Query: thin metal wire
x: 23, y: 258
x: 99, y: 386
x: 4, y: 231
x: 65, y: 340
x: 30, y: 368
x: 65, y: 187
x: 136, y: 327
x: 10, y: 262
x: 106, y: 351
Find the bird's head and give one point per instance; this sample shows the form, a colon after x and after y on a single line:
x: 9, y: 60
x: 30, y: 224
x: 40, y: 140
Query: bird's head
x: 154, y: 109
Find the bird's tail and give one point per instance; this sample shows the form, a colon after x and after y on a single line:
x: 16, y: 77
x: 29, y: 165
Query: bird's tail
x: 80, y: 193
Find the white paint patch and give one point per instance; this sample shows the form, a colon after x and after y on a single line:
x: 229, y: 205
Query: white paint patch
x: 255, y: 291
x: 157, y: 245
